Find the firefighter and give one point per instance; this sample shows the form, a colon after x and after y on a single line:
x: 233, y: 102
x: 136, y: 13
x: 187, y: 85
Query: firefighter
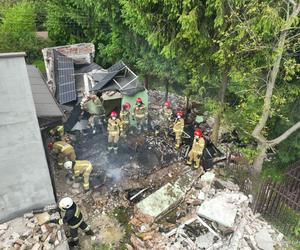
x: 166, y: 117
x: 73, y: 218
x: 140, y: 114
x: 125, y: 119
x: 63, y: 150
x: 80, y: 168
x: 197, y: 149
x: 57, y: 132
x: 93, y: 105
x: 113, y: 129
x: 178, y: 128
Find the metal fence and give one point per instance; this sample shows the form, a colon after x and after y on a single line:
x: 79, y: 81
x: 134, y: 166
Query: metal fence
x: 280, y: 202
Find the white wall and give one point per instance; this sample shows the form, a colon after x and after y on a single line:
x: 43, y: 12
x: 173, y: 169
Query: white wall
x: 24, y: 176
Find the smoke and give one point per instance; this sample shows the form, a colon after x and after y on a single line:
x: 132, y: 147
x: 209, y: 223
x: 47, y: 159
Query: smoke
x: 114, y: 173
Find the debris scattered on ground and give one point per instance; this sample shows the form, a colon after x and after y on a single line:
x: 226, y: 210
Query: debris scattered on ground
x: 31, y: 232
x: 174, y: 206
x: 222, y: 220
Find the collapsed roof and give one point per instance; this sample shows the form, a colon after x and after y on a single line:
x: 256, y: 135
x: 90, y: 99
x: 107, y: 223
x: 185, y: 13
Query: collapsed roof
x: 60, y: 66
x: 67, y: 66
x: 118, y: 77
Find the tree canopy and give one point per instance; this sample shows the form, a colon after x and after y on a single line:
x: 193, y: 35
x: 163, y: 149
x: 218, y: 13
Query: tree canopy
x: 239, y: 58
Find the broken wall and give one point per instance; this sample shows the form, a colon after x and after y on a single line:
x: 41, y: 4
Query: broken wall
x: 24, y: 180
x: 82, y: 53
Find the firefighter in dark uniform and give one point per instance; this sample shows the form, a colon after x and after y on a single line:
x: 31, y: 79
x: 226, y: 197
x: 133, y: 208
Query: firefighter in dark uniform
x: 73, y: 218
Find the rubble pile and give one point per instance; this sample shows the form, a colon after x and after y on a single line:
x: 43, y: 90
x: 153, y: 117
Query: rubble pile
x: 156, y: 101
x: 168, y: 152
x: 27, y: 233
x: 213, y: 215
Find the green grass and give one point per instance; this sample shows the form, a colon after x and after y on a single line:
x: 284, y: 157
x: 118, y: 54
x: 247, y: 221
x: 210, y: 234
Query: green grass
x: 102, y: 247
x: 123, y: 216
x: 39, y: 63
x: 276, y: 173
x: 287, y: 222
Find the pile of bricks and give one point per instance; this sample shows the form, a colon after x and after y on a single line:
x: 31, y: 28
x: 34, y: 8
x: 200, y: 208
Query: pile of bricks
x: 26, y: 233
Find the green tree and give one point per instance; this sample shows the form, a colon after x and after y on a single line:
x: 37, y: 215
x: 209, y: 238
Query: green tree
x: 18, y: 29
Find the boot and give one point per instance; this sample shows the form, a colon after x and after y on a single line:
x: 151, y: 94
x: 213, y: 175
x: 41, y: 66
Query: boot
x: 90, y: 232
x: 109, y: 146
x: 74, y: 243
x: 115, y: 151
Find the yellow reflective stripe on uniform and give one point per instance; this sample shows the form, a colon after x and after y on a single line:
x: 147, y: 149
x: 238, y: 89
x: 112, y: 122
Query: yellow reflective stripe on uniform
x: 65, y: 147
x: 77, y: 225
x: 59, y: 145
x: 60, y: 222
x: 77, y: 212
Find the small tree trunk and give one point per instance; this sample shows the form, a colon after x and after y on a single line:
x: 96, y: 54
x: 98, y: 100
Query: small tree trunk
x: 216, y: 127
x: 219, y: 115
x: 146, y: 82
x: 187, y: 104
x: 259, y: 159
x: 271, y: 80
x: 167, y: 83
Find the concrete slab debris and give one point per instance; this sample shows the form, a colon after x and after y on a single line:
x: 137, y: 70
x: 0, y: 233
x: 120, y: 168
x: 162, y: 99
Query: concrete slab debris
x: 205, y: 240
x: 264, y: 240
x: 221, y: 184
x: 207, y: 178
x: 216, y: 208
x: 160, y: 201
x: 3, y: 226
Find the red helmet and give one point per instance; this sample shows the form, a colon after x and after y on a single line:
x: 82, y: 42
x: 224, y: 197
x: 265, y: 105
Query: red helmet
x: 139, y: 100
x: 167, y: 104
x: 50, y: 145
x: 114, y: 114
x: 126, y: 105
x: 198, y: 132
x: 179, y: 113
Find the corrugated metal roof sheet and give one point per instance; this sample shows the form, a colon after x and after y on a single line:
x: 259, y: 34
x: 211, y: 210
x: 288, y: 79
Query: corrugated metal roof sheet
x: 44, y: 101
x: 105, y: 76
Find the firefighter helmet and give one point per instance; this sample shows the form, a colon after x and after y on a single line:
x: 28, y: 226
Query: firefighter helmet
x: 65, y: 203
x: 114, y: 114
x: 50, y: 145
x: 68, y: 165
x: 198, y: 132
x: 139, y: 100
x: 179, y: 113
x: 167, y: 104
x: 126, y: 105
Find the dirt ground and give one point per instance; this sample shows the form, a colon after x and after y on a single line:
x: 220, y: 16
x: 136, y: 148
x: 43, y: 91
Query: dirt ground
x: 143, y: 162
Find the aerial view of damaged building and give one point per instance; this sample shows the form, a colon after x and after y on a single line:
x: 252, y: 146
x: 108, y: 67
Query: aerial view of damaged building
x: 91, y: 159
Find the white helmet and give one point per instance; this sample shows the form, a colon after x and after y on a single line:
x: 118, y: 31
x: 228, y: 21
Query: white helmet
x: 65, y: 203
x: 68, y: 165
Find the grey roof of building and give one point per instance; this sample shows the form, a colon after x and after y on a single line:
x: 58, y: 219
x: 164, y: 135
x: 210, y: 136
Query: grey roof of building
x: 45, y: 104
x: 12, y: 54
